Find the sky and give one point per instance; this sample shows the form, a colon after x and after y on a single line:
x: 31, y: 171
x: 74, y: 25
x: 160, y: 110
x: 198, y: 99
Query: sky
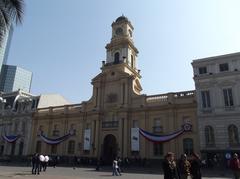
x: 63, y: 41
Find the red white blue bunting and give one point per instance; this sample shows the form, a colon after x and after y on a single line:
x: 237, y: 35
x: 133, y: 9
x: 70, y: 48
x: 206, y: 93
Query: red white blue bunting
x: 10, y: 138
x: 55, y: 141
x: 165, y: 138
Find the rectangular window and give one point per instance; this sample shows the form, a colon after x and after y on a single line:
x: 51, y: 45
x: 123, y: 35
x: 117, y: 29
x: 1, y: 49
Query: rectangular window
x: 206, y: 103
x: 228, y: 97
x: 157, y: 128
x: 53, y: 149
x: 202, y: 70
x: 223, y: 67
x: 158, y: 149
x: 135, y: 123
x: 56, y: 133
x: 71, y: 147
x: 39, y: 147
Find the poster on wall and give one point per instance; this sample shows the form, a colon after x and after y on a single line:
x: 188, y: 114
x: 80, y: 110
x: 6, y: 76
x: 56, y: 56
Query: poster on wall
x: 87, y: 137
x: 134, y: 139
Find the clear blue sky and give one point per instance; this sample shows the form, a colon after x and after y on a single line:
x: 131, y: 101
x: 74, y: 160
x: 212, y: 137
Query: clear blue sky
x: 63, y: 41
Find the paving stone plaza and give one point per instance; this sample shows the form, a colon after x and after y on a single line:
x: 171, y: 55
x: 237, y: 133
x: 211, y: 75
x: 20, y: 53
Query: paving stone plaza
x: 91, y: 173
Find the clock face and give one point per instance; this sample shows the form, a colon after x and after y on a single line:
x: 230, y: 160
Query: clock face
x: 119, y: 31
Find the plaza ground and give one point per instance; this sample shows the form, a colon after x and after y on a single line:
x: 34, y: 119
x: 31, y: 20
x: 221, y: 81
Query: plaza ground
x: 91, y: 173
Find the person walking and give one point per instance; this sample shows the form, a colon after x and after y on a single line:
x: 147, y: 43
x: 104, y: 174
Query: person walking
x: 169, y: 167
x: 235, y: 166
x: 45, y: 163
x: 75, y: 161
x: 35, y: 164
x: 184, y: 167
x: 119, y: 169
x: 196, y: 165
x: 115, y: 168
x: 41, y: 158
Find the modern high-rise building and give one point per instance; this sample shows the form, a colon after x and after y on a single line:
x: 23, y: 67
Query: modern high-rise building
x: 5, y: 46
x: 13, y: 78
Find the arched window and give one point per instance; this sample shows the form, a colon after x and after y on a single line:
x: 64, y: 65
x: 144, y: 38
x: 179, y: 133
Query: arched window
x: 71, y: 147
x: 188, y: 146
x: 209, y: 136
x: 233, y: 135
x: 130, y: 33
x: 116, y: 58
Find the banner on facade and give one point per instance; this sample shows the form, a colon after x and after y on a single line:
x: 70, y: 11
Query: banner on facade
x: 135, y: 139
x: 165, y: 138
x: 87, y: 137
x: 10, y: 138
x: 54, y: 141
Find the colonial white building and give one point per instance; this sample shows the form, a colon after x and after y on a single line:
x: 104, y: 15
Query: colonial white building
x: 217, y: 81
x: 16, y: 110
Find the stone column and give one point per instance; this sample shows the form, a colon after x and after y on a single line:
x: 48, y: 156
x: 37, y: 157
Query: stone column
x: 125, y: 137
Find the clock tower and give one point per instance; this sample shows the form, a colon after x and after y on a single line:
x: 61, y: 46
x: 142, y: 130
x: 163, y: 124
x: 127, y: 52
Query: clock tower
x: 121, y: 49
x: 119, y: 81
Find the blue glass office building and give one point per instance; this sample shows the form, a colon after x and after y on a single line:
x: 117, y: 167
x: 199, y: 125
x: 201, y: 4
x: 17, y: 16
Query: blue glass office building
x: 5, y: 46
x: 13, y: 78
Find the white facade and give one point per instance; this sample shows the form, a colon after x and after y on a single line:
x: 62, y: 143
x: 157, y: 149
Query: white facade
x: 16, y: 111
x: 217, y: 81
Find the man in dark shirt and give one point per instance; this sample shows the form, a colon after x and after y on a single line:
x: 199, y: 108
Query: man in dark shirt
x: 35, y: 164
x: 169, y: 167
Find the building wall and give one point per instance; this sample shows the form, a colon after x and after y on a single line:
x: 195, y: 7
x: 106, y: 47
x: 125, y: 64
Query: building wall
x: 218, y: 115
x: 13, y: 78
x: 16, y: 110
x: 172, y: 117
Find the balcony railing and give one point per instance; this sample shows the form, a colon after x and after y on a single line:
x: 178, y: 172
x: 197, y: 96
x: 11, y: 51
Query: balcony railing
x: 170, y: 97
x: 109, y: 124
x: 60, y: 109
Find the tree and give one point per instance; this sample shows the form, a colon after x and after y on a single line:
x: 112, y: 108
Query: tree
x: 11, y: 11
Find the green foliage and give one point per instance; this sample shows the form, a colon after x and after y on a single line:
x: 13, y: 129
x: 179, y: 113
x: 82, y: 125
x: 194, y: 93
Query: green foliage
x: 11, y: 11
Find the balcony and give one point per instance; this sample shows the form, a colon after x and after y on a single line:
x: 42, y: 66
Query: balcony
x: 110, y: 124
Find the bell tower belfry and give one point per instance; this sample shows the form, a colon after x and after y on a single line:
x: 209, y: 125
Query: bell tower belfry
x: 119, y: 81
x: 121, y: 49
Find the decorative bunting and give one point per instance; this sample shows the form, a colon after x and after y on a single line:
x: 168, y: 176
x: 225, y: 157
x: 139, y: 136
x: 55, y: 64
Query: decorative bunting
x: 10, y: 138
x: 55, y: 141
x: 164, y: 138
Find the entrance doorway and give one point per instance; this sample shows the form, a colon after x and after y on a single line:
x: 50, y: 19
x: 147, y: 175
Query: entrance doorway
x: 109, y: 148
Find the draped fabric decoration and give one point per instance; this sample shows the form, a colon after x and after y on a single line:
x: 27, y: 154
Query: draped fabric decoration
x: 55, y: 141
x: 165, y: 138
x: 10, y: 138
